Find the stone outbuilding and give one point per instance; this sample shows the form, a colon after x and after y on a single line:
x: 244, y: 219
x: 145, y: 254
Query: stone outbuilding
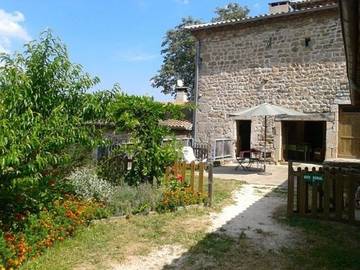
x: 293, y: 57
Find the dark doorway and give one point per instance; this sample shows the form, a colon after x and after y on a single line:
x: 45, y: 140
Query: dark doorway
x: 304, y: 140
x: 243, y: 136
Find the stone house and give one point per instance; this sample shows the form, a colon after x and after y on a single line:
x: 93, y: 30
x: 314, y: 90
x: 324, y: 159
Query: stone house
x: 292, y: 57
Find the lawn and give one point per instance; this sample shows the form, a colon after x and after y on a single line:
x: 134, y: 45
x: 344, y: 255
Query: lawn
x: 103, y: 244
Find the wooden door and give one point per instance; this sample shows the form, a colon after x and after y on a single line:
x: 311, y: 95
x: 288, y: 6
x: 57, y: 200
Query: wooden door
x: 349, y: 135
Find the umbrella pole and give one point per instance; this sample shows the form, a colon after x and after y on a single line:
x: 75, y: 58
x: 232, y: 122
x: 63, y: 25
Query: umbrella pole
x: 265, y: 144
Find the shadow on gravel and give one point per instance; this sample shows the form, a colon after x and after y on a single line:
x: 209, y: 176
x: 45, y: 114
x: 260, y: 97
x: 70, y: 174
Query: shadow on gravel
x: 313, y: 244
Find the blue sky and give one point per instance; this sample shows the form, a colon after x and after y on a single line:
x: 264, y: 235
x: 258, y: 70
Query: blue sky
x: 117, y: 40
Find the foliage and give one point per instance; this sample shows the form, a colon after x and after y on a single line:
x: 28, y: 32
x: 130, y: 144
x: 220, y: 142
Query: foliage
x: 178, y: 193
x: 89, y: 186
x: 128, y: 200
x: 43, y: 111
x: 179, y: 49
x: 42, y: 230
x: 140, y: 117
x: 113, y: 168
x: 230, y: 12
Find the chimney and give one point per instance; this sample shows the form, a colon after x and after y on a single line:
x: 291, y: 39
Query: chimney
x: 279, y: 7
x: 181, y: 92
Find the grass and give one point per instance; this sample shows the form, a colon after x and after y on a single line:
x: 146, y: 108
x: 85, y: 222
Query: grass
x: 103, y: 244
x: 328, y: 245
x: 322, y: 245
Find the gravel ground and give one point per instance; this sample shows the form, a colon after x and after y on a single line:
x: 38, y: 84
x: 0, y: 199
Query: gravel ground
x: 249, y: 217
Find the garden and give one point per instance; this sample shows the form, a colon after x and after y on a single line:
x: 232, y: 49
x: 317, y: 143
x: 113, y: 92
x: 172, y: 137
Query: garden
x: 50, y: 187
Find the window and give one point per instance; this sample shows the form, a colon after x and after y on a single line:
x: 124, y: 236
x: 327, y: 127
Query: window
x: 307, y: 42
x: 223, y: 148
x: 269, y: 43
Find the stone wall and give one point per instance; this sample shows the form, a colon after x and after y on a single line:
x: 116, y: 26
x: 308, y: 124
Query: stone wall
x: 245, y: 65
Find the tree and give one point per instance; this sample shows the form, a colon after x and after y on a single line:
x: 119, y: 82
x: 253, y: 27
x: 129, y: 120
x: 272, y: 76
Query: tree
x: 179, y: 49
x: 43, y: 111
x: 230, y: 11
x: 140, y: 116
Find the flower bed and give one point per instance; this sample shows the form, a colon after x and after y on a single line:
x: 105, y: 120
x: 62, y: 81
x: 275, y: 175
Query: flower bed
x: 33, y: 233
x: 178, y: 193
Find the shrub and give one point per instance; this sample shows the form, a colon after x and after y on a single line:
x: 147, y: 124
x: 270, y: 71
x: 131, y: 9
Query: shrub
x: 135, y: 199
x: 89, y: 186
x: 178, y: 193
x: 139, y: 117
x: 42, y: 230
x: 113, y: 168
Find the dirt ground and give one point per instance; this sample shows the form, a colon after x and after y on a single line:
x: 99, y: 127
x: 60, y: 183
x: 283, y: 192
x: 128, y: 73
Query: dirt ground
x: 250, y: 217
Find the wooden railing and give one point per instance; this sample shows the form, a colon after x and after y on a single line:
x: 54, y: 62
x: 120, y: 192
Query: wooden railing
x: 326, y: 193
x: 195, y: 175
x: 201, y: 151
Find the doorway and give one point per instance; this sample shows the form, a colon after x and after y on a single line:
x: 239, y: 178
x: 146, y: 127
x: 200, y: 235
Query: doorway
x: 243, y: 128
x: 304, y: 140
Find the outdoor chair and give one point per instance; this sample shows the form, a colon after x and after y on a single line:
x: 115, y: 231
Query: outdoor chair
x: 248, y: 159
x: 189, y: 156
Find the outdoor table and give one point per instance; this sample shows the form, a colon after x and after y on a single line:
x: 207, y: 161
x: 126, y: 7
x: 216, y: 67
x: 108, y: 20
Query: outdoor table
x: 248, y: 158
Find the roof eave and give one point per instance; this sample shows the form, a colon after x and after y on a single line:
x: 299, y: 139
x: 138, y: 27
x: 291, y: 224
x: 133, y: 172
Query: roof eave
x: 200, y: 27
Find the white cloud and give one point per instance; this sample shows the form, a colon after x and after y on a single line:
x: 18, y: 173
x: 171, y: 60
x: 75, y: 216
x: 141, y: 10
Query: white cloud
x: 135, y: 56
x: 11, y: 28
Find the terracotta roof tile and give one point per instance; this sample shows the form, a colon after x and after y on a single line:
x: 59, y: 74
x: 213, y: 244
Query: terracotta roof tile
x: 177, y: 124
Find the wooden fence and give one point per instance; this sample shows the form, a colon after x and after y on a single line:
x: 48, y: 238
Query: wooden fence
x: 194, y: 174
x: 201, y: 151
x: 322, y: 193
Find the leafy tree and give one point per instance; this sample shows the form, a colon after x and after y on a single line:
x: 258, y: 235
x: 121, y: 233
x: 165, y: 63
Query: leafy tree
x: 140, y: 116
x: 230, y: 11
x: 178, y: 50
x: 43, y: 111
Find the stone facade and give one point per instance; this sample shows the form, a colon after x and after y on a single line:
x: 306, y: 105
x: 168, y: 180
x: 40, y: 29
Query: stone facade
x: 295, y: 61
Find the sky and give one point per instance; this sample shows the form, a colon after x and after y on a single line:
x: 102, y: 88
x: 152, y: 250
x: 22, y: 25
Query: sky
x: 117, y: 40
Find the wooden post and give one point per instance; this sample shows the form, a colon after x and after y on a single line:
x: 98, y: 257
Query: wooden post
x: 302, y: 194
x: 314, y: 197
x: 327, y: 188
x: 183, y: 171
x: 192, y: 176
x: 351, y: 199
x: 290, y: 202
x: 210, y: 184
x: 201, y: 177
x: 339, y: 190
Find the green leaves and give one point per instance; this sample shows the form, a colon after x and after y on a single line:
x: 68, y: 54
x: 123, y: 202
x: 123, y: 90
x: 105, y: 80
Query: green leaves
x: 178, y: 50
x: 140, y: 116
x: 43, y: 109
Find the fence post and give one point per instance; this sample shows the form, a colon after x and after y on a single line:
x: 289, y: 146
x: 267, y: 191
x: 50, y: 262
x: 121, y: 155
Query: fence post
x: 314, y: 196
x: 201, y: 177
x: 302, y: 191
x: 210, y: 184
x: 290, y: 204
x: 327, y: 190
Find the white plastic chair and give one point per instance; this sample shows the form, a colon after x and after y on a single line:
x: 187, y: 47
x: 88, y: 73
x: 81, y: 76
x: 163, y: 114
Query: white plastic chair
x: 189, y: 156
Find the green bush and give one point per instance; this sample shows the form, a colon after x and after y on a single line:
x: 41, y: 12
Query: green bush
x: 135, y: 199
x: 88, y: 185
x: 113, y: 168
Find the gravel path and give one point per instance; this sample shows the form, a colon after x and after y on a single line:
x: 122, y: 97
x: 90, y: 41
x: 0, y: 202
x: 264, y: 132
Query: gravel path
x: 249, y: 217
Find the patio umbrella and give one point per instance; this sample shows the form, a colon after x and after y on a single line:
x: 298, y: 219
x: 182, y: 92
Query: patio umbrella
x: 266, y: 110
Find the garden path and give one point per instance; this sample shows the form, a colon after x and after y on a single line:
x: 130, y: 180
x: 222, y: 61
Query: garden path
x: 250, y: 217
